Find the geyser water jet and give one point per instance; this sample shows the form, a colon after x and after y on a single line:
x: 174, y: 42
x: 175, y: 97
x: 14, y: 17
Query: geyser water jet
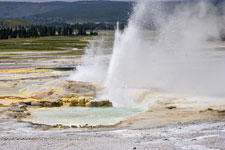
x: 93, y: 66
x: 177, y: 57
x: 179, y: 60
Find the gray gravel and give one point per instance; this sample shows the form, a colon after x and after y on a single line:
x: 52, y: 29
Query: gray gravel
x: 201, y: 136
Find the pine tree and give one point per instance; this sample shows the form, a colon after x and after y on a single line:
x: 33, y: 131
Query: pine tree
x: 14, y: 33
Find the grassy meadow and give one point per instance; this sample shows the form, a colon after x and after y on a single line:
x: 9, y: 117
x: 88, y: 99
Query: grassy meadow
x: 57, y: 43
x: 42, y: 51
x: 51, y: 51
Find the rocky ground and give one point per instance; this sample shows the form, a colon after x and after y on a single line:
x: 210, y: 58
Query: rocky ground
x: 24, y: 89
x: 194, y: 136
x: 169, y: 126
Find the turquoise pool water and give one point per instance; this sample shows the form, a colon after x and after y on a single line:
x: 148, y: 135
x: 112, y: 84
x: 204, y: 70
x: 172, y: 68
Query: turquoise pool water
x: 81, y: 116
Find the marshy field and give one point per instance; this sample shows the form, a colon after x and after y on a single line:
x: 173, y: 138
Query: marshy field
x: 31, y: 50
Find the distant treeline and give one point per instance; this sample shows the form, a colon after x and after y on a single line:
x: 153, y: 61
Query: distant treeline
x: 55, y: 30
x: 40, y: 31
x: 91, y: 26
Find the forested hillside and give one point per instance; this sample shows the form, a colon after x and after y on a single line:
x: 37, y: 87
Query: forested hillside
x: 92, y: 11
x: 83, y: 11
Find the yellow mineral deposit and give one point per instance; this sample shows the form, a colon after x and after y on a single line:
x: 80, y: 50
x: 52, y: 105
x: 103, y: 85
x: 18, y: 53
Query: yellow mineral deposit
x: 21, y: 70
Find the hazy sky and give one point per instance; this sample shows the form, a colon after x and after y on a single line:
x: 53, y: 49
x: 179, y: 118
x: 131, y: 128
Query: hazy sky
x: 56, y: 0
x: 70, y: 0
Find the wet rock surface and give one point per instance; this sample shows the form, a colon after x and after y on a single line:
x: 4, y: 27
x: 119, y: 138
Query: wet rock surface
x: 63, y: 92
x: 46, y: 104
x: 89, y: 102
x: 47, y: 94
x: 99, y: 103
x: 22, y: 106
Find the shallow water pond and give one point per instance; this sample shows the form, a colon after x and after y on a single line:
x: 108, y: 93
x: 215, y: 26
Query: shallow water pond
x: 81, y: 116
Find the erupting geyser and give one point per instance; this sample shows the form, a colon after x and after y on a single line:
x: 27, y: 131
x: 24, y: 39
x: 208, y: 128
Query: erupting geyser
x: 179, y: 57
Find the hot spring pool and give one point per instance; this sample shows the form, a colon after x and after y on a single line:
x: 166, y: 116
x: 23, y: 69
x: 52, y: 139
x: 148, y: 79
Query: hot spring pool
x: 81, y: 116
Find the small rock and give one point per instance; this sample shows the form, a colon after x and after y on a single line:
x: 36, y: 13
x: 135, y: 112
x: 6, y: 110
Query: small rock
x: 51, y: 104
x: 65, y: 100
x: 46, y: 104
x: 171, y: 107
x: 99, y: 103
x: 73, y: 126
x: 36, y: 103
x: 20, y: 108
x: 26, y: 103
x: 74, y: 102
x: 92, y: 104
x: 81, y: 101
x: 105, y: 103
x: 210, y: 109
x: 56, y: 104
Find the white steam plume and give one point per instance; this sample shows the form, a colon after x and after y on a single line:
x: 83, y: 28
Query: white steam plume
x: 179, y: 60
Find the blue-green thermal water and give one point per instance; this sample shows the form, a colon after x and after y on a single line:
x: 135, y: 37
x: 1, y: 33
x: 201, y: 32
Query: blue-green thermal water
x: 82, y: 116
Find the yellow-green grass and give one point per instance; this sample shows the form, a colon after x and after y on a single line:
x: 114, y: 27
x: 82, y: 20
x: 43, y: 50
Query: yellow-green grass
x: 44, y: 44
